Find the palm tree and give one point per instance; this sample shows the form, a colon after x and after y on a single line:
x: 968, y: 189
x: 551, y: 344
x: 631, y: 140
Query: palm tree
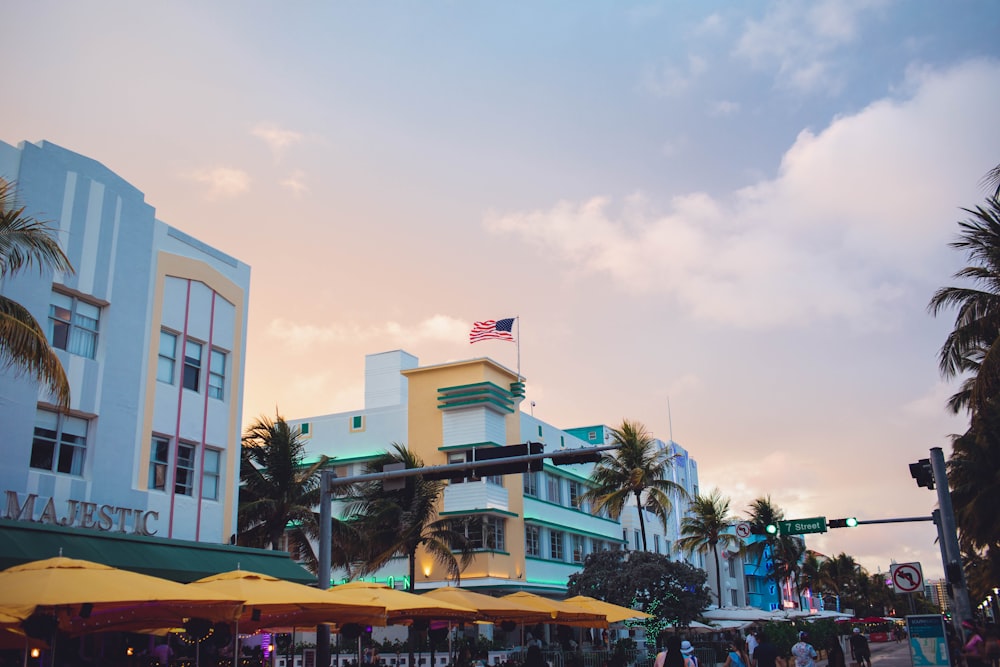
x: 839, y: 576
x: 279, y: 490
x: 763, y: 512
x: 787, y: 557
x: 638, y: 470
x: 970, y: 349
x: 397, y: 522
x: 810, y: 577
x: 705, y: 528
x: 24, y: 347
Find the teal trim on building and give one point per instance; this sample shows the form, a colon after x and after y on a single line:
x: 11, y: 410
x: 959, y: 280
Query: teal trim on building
x: 480, y: 393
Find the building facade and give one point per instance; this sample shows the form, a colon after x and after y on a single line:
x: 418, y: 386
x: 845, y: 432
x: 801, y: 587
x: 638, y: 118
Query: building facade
x: 151, y: 330
x: 534, y: 529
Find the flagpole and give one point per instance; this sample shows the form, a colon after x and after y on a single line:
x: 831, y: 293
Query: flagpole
x: 518, y: 318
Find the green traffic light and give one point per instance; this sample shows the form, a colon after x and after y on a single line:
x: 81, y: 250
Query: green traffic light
x: 771, y: 529
x: 851, y: 522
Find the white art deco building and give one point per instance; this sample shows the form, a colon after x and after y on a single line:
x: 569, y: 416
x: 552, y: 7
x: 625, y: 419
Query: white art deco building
x: 151, y: 330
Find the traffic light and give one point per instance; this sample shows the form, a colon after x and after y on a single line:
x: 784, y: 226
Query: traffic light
x: 573, y: 456
x: 771, y: 529
x: 849, y: 522
x: 921, y: 471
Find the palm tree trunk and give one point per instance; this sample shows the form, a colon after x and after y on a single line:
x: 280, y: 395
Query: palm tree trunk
x: 718, y: 574
x: 642, y: 522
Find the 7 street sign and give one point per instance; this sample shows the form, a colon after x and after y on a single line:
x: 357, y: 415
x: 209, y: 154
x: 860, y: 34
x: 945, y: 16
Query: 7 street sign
x: 800, y: 526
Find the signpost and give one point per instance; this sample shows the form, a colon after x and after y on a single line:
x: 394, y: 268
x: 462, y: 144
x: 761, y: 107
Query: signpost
x: 800, y: 526
x: 906, y: 577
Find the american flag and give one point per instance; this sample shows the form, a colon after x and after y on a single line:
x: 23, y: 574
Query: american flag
x: 492, y: 329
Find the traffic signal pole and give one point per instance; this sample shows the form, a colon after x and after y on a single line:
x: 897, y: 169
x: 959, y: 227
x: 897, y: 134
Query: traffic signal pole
x: 948, y: 531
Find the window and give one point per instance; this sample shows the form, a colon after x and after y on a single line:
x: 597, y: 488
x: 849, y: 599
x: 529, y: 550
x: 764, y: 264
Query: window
x: 184, y: 470
x: 216, y: 374
x: 530, y: 484
x: 210, y: 474
x: 540, y: 431
x: 60, y: 443
x: 532, y: 540
x: 656, y: 543
x: 73, y: 324
x: 159, y: 463
x: 168, y: 357
x: 553, y: 492
x: 488, y: 532
x: 577, y: 549
x: 555, y: 545
x: 638, y: 541
x: 358, y: 423
x: 734, y: 598
x: 732, y: 565
x: 576, y: 495
x: 192, y: 365
x: 592, y: 436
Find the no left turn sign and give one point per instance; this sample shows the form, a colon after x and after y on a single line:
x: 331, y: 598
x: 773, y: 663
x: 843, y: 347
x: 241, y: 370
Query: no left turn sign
x: 907, y: 577
x: 743, y: 529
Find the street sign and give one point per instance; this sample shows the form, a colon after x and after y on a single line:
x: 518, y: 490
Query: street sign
x: 743, y: 529
x: 906, y: 577
x: 800, y: 526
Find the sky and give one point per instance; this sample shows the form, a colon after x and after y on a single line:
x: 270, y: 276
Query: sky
x: 722, y: 220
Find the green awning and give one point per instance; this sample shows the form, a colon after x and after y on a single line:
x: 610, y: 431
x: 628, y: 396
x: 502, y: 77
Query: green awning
x: 177, y: 560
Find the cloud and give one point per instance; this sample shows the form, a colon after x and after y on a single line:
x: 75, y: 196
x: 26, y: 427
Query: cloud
x: 295, y: 182
x: 799, y: 41
x: 301, y: 336
x: 222, y: 182
x: 670, y: 80
x: 855, y: 214
x: 277, y: 138
x: 724, y: 108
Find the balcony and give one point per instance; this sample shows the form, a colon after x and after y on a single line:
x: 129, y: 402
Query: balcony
x: 475, y: 496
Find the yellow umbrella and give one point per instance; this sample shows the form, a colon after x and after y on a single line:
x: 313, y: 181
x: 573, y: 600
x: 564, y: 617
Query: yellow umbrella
x: 275, y: 603
x: 401, y: 606
x: 613, y: 612
x: 564, y: 613
x: 82, y: 596
x: 496, y: 610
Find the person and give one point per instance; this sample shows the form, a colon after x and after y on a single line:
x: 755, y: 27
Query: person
x: 766, y: 653
x: 861, y: 653
x: 835, y: 653
x: 674, y: 657
x: 735, y: 657
x: 661, y: 658
x: 803, y: 651
x: 687, y: 650
x: 534, y: 657
x: 751, y: 642
x: 974, y: 650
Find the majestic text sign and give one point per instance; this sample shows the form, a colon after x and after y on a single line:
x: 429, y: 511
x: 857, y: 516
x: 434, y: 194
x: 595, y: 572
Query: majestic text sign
x: 799, y: 526
x: 81, y: 514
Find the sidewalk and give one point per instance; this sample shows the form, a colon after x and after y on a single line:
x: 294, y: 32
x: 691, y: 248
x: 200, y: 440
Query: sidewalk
x: 890, y: 654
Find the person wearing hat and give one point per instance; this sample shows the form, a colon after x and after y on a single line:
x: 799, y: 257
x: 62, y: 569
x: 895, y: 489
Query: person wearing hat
x: 803, y: 651
x: 688, y: 652
x: 861, y: 653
